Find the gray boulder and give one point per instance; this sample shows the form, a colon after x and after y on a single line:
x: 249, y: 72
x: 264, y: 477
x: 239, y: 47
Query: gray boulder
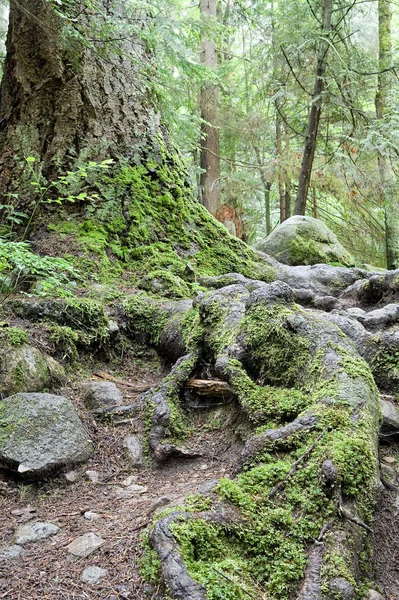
x: 390, y: 417
x: 305, y: 241
x: 100, y: 394
x: 40, y: 434
x: 26, y: 369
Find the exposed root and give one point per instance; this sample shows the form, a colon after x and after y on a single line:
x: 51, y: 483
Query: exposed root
x: 174, y: 572
x: 160, y: 399
x: 258, y: 443
x: 281, y: 485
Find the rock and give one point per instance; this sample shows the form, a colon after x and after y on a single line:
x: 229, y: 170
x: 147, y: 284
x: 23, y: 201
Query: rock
x: 100, y: 394
x: 390, y: 417
x: 305, y: 241
x: 85, y: 544
x: 26, y: 369
x: 91, y: 515
x: 342, y: 589
x: 40, y: 434
x: 159, y: 503
x: 373, y: 595
x: 390, y: 460
x: 129, y: 492
x: 93, y: 575
x: 33, y: 532
x: 135, y: 451
x: 72, y: 476
x: 129, y: 480
x: 9, y: 552
x: 93, y: 476
x: 380, y: 318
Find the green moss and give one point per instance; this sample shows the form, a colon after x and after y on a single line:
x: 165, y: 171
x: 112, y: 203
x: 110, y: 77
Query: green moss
x: 278, y: 354
x: 165, y: 283
x: 65, y: 339
x: 13, y: 336
x: 146, y: 315
x: 148, y: 221
x: 335, y: 565
x: 149, y: 563
x: 265, y: 402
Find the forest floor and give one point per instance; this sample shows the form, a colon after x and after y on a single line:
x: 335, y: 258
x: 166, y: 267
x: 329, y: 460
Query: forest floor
x: 47, y: 571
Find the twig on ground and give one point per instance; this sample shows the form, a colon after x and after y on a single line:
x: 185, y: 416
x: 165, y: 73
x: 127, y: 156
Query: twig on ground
x: 281, y: 484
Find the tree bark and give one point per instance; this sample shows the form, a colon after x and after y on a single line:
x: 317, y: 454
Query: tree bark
x: 62, y: 100
x: 388, y: 184
x: 280, y: 174
x: 210, y: 137
x: 315, y: 112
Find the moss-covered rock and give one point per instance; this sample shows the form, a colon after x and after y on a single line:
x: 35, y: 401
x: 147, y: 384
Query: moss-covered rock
x: 26, y: 369
x: 40, y: 434
x: 305, y: 241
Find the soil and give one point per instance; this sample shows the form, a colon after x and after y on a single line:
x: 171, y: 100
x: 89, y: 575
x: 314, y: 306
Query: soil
x: 46, y: 570
x: 385, y: 541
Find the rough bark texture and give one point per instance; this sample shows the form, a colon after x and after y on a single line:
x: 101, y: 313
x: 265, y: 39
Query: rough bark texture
x: 61, y: 100
x: 210, y: 144
x: 314, y: 115
x: 388, y: 192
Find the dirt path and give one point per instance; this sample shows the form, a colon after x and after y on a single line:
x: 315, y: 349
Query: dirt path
x: 386, y: 527
x: 46, y: 570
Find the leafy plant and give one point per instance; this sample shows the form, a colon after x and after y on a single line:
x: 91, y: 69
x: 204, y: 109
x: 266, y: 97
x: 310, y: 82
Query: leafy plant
x: 20, y: 268
x: 70, y: 181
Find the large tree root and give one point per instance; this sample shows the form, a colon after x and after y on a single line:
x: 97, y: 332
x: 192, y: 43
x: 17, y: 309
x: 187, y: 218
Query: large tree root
x: 160, y: 399
x: 247, y: 328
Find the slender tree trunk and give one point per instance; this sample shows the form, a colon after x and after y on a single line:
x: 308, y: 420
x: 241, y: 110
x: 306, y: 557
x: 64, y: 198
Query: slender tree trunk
x: 210, y: 139
x: 315, y: 112
x: 287, y: 178
x: 280, y: 174
x: 314, y: 202
x: 266, y: 190
x: 388, y: 189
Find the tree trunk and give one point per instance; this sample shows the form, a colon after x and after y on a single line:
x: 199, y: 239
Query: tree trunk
x: 61, y: 100
x: 210, y: 142
x: 315, y: 112
x: 266, y: 190
x: 388, y: 191
x: 280, y: 174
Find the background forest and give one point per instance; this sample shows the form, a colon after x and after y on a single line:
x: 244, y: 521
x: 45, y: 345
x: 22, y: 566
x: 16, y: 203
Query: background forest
x: 236, y: 83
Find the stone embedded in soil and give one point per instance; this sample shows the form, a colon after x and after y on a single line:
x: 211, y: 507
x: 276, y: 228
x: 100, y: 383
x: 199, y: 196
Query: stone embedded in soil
x: 129, y: 480
x: 90, y: 515
x: 93, y: 575
x: 72, y: 476
x: 388, y: 473
x: 93, y: 476
x: 10, y: 552
x: 33, y: 532
x: 41, y: 433
x: 26, y: 369
x: 100, y: 394
x: 341, y: 588
x: 85, y: 544
x: 134, y: 449
x: 389, y: 459
x: 373, y: 595
x: 390, y: 416
x: 131, y: 490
